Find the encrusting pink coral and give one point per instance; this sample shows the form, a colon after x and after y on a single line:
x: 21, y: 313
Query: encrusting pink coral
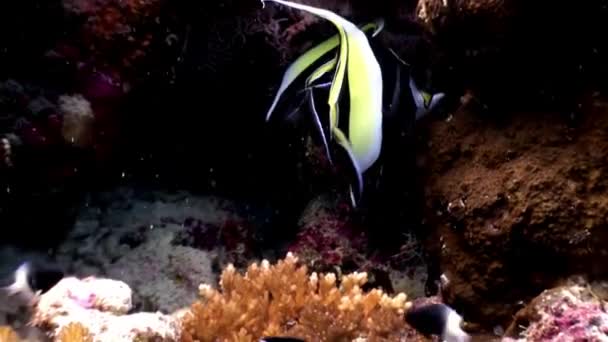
x: 99, y: 306
x: 567, y: 313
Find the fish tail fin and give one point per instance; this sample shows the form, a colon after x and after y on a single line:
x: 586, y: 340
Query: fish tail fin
x: 435, y: 99
x: 425, y: 101
x: 453, y: 331
x: 353, y: 199
x: 20, y: 285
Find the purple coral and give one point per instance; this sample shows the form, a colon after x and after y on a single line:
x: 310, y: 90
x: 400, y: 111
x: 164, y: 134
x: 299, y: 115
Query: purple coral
x: 328, y: 237
x: 570, y: 319
x: 234, y: 236
x: 85, y: 299
x: 576, y: 322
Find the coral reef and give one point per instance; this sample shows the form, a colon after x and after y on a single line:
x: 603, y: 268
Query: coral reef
x: 438, y: 14
x: 516, y: 202
x: 513, y: 203
x: 127, y: 26
x: 330, y: 238
x: 165, y: 276
x: 100, y: 306
x: 78, y: 119
x: 48, y: 145
x: 284, y: 299
x: 235, y: 238
x: 33, y: 120
x: 572, y: 312
x: 148, y: 242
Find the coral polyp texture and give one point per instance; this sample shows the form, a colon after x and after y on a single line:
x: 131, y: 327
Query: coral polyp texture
x: 75, y: 332
x: 7, y: 334
x: 108, y: 19
x: 567, y: 313
x: 284, y: 299
x: 78, y: 119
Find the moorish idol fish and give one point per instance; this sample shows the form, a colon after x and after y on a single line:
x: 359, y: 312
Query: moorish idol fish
x: 281, y: 339
x: 355, y: 111
x: 363, y: 140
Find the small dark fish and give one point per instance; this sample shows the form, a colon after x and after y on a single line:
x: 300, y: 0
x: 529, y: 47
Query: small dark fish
x: 437, y: 319
x: 281, y: 339
x: 33, y: 278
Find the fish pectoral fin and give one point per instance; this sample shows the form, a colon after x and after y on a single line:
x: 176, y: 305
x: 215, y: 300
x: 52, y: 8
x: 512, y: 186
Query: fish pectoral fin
x: 425, y: 101
x: 397, y: 57
x: 418, y: 96
x: 356, y: 189
x: 20, y: 283
x: 354, y: 200
x: 435, y: 99
x: 325, y: 85
x: 294, y: 114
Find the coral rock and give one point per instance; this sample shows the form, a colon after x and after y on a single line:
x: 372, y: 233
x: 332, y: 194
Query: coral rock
x: 436, y: 12
x: 100, y: 306
x: 566, y: 313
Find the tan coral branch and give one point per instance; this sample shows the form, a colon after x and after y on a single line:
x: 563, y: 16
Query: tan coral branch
x: 284, y: 299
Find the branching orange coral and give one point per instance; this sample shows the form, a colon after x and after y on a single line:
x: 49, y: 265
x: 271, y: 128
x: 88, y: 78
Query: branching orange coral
x: 74, y: 332
x: 284, y: 300
x: 7, y: 334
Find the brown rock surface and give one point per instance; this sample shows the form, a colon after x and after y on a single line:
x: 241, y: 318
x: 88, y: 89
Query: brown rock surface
x: 434, y: 13
x: 517, y: 202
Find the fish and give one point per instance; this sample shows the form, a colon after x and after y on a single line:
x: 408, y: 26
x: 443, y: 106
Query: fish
x: 403, y: 95
x: 281, y: 339
x: 307, y: 61
x: 31, y: 279
x: 425, y: 101
x: 437, y: 319
x: 357, y: 67
x: 309, y: 58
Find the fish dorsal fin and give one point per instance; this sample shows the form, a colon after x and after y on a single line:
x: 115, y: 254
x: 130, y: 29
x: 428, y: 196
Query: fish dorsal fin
x: 424, y: 101
x: 307, y: 59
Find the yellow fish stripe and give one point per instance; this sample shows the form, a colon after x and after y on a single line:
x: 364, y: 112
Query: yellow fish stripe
x: 377, y: 26
x: 356, y: 58
x: 308, y: 58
